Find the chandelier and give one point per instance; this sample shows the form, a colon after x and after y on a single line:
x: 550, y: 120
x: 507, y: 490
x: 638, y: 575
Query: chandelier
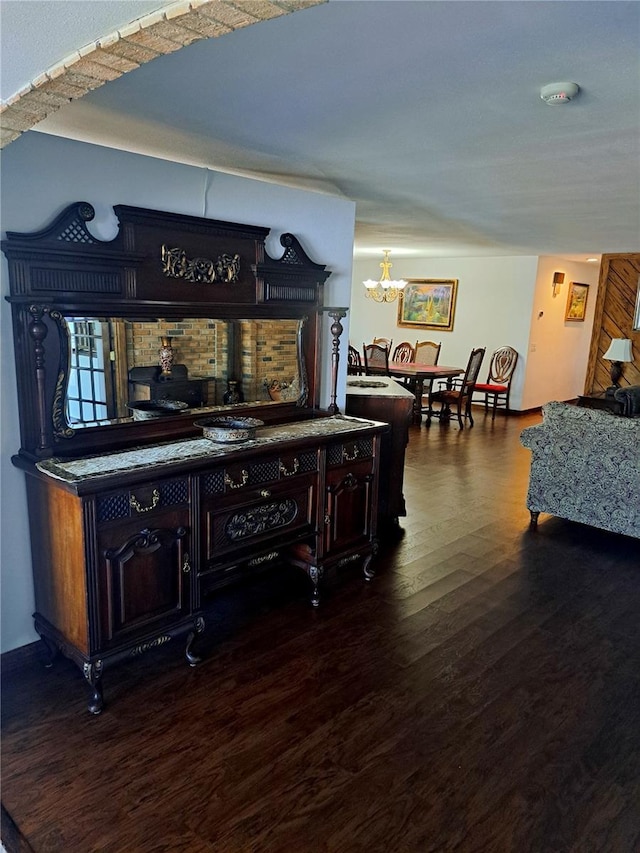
x: 387, y: 289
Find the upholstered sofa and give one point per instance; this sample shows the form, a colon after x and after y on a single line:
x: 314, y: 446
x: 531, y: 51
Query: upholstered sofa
x: 629, y: 399
x: 585, y: 467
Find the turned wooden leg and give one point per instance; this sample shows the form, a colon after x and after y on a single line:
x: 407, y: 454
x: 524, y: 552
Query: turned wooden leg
x: 51, y: 649
x: 193, y: 659
x: 93, y: 676
x: 369, y: 571
x: 315, y: 575
x: 533, y: 524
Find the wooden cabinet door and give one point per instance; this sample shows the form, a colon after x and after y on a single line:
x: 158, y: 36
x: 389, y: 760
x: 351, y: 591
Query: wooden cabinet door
x: 143, y: 574
x: 348, y: 508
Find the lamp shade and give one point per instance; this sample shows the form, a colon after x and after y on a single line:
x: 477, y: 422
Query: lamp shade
x: 619, y: 350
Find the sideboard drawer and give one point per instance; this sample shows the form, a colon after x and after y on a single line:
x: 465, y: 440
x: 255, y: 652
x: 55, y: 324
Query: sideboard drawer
x: 347, y: 452
x: 138, y: 501
x: 245, y: 477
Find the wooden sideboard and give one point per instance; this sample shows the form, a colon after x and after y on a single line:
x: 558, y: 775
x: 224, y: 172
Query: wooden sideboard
x: 384, y: 399
x: 134, y: 521
x: 127, y: 544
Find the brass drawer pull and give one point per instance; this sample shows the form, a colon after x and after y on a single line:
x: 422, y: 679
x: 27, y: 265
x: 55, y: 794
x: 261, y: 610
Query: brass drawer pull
x: 186, y: 565
x: 348, y: 458
x: 294, y: 470
x: 134, y: 503
x: 265, y: 493
x: 229, y: 482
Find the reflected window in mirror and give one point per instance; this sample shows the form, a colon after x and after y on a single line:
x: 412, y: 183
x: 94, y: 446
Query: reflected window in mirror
x: 90, y: 394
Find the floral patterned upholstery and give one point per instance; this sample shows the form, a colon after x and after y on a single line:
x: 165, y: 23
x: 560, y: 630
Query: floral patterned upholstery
x: 585, y: 467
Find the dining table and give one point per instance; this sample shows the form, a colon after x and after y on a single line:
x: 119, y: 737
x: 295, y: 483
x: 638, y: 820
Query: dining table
x: 419, y: 373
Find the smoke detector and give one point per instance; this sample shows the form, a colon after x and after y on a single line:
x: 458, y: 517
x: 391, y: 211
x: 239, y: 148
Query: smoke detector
x: 559, y: 93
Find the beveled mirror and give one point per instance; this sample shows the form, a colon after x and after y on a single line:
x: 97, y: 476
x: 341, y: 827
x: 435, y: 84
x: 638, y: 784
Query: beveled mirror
x: 119, y: 368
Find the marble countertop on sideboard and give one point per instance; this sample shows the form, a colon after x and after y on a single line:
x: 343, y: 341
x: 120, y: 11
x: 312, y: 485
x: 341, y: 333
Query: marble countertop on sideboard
x: 125, y: 461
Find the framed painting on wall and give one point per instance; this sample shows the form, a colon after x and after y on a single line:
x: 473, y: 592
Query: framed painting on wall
x: 576, y: 301
x: 428, y: 303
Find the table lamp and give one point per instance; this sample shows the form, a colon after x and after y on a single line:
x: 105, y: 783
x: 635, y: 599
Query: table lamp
x: 619, y: 351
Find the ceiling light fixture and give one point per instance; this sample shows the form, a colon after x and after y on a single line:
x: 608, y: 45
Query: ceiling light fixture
x: 386, y: 289
x: 559, y: 93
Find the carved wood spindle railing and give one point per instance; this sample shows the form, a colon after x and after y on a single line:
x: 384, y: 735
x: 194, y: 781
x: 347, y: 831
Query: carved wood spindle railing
x: 337, y: 329
x: 38, y: 331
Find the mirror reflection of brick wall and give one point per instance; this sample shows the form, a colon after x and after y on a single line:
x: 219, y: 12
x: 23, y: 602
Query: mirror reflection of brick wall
x: 269, y: 352
x: 201, y: 344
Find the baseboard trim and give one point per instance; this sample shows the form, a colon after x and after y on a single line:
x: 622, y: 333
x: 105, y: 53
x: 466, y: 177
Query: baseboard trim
x: 536, y: 410
x: 478, y: 404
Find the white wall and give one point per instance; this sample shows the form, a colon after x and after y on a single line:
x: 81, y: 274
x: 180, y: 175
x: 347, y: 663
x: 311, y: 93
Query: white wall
x: 495, y: 299
x: 41, y: 175
x: 558, y: 349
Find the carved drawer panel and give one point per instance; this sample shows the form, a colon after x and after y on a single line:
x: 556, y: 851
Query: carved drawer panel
x: 139, y: 500
x: 281, y: 514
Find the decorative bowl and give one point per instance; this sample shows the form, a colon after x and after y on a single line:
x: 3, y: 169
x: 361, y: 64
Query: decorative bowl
x: 229, y: 430
x: 145, y: 409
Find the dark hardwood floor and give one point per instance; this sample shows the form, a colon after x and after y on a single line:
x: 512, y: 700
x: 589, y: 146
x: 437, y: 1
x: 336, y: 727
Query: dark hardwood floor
x: 481, y: 694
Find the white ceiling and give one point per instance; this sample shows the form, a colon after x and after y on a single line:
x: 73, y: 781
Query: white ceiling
x: 427, y: 114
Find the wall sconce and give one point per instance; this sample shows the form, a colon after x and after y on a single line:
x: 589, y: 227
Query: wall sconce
x: 558, y: 279
x: 619, y: 351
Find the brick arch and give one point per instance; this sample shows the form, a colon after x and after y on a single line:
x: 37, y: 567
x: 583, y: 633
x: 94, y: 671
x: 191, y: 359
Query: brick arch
x: 133, y: 45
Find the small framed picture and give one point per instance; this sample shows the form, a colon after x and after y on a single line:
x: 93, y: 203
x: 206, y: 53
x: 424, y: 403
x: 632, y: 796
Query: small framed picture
x: 576, y: 302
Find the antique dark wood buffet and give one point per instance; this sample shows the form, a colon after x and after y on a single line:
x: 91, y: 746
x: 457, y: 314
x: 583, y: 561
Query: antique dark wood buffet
x: 136, y: 516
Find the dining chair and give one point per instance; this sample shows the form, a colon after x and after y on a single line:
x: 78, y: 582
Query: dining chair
x: 354, y: 362
x: 459, y: 393
x: 376, y: 360
x: 385, y: 342
x: 404, y: 352
x: 427, y: 352
x: 498, y: 385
